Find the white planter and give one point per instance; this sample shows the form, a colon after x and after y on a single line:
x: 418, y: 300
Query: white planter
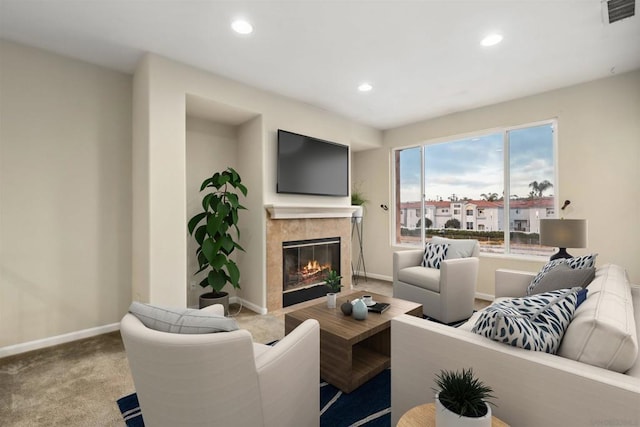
x: 446, y: 418
x: 331, y: 300
x: 357, y: 214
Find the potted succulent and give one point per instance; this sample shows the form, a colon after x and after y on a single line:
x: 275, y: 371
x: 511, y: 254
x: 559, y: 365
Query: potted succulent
x: 212, y: 229
x: 462, y: 400
x: 332, y: 280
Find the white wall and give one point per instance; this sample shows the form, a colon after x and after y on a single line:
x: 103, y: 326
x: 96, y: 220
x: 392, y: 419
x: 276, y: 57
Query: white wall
x: 159, y: 172
x: 65, y: 195
x: 598, y: 161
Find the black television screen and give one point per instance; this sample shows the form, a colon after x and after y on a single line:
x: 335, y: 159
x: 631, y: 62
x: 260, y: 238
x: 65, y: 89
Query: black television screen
x: 309, y: 165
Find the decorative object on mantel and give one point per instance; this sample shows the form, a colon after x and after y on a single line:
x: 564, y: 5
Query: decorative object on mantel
x: 462, y: 400
x: 332, y: 280
x: 215, y: 242
x: 563, y: 233
x: 360, y: 309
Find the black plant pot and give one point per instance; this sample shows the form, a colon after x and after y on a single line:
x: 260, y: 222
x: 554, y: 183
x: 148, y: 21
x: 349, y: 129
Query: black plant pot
x: 211, y: 298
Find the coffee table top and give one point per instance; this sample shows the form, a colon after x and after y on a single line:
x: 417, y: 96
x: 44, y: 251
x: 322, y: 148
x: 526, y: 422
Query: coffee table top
x: 334, y: 322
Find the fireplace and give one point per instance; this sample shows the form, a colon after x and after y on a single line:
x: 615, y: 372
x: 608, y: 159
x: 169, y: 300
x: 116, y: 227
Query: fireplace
x: 305, y: 265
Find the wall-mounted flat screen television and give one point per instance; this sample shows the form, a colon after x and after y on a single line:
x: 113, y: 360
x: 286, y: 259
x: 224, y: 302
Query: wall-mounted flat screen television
x: 309, y: 165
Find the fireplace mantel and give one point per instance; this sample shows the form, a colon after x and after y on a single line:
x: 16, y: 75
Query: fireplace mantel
x: 307, y: 211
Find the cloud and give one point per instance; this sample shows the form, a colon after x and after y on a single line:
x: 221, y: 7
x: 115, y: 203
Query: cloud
x: 472, y: 166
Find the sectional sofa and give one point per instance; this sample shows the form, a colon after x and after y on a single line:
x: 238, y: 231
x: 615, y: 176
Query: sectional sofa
x: 593, y: 380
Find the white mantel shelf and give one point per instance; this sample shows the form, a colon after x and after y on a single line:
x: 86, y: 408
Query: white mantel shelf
x: 306, y: 211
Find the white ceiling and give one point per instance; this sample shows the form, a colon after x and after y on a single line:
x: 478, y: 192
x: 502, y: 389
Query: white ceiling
x: 422, y: 57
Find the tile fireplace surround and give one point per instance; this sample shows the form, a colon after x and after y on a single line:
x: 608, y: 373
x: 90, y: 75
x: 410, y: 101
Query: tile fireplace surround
x: 287, y: 223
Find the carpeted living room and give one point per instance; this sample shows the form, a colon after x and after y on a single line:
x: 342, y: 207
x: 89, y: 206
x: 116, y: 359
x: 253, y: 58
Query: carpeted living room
x: 450, y: 122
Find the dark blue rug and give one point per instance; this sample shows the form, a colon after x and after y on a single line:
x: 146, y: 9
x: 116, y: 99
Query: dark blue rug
x: 369, y: 405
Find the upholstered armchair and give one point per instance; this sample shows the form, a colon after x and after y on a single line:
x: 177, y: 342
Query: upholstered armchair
x: 446, y: 293
x: 224, y: 378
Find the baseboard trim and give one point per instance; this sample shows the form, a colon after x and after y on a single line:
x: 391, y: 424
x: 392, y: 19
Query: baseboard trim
x: 485, y: 297
x: 12, y: 350
x: 374, y: 276
x: 251, y: 306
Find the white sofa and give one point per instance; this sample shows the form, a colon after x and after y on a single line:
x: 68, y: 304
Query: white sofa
x: 533, y: 388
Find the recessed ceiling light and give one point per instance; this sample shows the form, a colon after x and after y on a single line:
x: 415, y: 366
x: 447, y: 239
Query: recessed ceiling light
x: 241, y: 26
x: 365, y: 87
x: 491, y: 39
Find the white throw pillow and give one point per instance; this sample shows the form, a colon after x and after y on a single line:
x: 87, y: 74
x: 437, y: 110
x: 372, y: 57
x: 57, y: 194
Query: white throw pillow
x: 181, y: 320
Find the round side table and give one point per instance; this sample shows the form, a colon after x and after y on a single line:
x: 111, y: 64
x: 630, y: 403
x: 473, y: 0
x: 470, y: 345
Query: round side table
x: 425, y: 416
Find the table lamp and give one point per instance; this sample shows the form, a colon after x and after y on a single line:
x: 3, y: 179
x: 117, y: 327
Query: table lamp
x: 563, y: 234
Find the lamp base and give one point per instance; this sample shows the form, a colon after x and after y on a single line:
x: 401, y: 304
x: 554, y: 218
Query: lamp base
x: 562, y: 253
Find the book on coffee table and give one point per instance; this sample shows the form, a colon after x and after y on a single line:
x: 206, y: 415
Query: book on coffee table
x: 379, y: 307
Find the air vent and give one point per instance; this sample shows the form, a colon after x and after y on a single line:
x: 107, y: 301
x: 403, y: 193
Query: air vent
x: 620, y: 9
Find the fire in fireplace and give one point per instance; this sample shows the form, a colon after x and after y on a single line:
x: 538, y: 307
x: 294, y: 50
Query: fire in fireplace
x: 306, y: 263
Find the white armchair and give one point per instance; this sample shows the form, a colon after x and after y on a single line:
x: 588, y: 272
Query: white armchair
x: 446, y: 294
x: 224, y: 378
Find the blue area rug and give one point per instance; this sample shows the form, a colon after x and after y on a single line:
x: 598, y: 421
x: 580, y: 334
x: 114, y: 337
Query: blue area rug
x: 369, y: 405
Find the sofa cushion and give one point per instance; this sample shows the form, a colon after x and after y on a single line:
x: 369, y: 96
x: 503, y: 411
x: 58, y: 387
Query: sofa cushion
x: 458, y: 248
x: 181, y: 320
x: 534, y: 322
x: 603, y: 331
x: 434, y: 254
x: 562, y: 276
x: 585, y: 261
x: 426, y: 278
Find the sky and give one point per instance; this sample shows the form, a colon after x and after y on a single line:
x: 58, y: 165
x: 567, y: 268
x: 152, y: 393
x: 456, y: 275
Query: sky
x: 473, y: 166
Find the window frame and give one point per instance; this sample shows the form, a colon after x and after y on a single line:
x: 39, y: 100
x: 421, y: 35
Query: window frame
x: 504, y: 130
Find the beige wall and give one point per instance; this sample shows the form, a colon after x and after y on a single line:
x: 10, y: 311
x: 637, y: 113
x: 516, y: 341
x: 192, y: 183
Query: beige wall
x: 598, y: 161
x: 65, y: 195
x: 211, y: 148
x: 159, y: 172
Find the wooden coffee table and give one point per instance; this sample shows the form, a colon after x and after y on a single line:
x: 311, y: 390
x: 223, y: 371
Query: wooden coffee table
x: 352, y: 351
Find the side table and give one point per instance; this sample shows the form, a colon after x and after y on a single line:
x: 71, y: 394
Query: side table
x: 425, y: 416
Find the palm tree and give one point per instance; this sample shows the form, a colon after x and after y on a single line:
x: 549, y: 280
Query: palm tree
x: 491, y: 197
x: 539, y: 187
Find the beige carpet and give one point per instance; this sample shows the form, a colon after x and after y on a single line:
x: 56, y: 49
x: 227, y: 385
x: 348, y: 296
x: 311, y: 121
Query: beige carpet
x: 77, y: 384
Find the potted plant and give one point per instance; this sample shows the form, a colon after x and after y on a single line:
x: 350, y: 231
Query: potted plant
x: 332, y: 280
x: 357, y: 199
x: 214, y: 235
x: 462, y: 400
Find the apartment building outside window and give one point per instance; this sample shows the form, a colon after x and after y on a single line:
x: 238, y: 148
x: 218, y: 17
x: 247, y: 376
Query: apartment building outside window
x: 505, y: 180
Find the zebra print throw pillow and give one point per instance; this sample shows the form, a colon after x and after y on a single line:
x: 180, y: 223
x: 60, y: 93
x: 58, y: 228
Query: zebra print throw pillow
x: 434, y: 254
x: 534, y: 322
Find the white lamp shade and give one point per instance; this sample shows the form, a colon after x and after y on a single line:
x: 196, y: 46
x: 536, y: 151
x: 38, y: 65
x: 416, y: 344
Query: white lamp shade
x: 563, y: 233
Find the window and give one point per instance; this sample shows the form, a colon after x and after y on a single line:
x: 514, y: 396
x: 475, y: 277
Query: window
x: 508, y: 175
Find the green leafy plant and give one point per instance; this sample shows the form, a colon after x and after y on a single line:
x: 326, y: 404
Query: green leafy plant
x: 332, y: 280
x: 214, y: 236
x: 357, y: 198
x: 463, y: 394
